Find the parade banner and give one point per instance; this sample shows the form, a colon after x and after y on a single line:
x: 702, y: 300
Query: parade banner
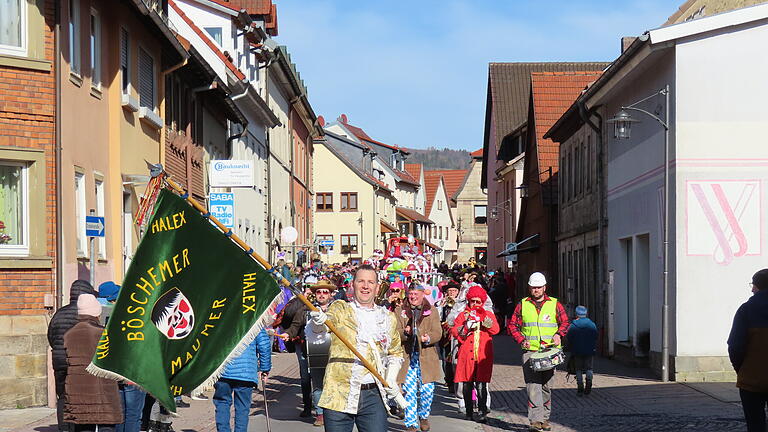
x: 191, y: 301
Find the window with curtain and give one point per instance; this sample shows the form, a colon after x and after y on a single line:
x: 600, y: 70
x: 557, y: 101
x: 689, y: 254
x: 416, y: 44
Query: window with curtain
x: 95, y: 44
x: 12, y: 206
x: 13, y: 27
x: 74, y: 36
x: 349, y: 201
x: 214, y: 33
x: 349, y: 243
x: 480, y: 215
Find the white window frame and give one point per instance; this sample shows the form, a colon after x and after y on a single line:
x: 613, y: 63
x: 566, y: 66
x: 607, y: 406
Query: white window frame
x: 212, y: 37
x: 23, y: 19
x: 80, y: 210
x: 23, y: 248
x: 100, y: 210
x: 75, y: 30
x: 95, y: 49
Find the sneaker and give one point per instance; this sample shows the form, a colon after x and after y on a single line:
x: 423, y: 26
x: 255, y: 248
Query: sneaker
x: 200, y: 397
x: 482, y: 417
x: 182, y: 404
x: 424, y: 424
x: 545, y: 426
x: 535, y: 427
x: 588, y: 389
x: 319, y: 420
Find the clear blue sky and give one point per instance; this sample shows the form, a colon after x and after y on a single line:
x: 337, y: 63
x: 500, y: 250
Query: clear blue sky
x: 414, y: 73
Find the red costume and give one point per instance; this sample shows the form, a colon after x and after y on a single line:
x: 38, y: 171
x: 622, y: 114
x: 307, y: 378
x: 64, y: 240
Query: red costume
x: 469, y: 368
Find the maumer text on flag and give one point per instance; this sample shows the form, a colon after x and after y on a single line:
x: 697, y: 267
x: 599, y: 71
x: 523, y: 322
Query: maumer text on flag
x: 191, y: 300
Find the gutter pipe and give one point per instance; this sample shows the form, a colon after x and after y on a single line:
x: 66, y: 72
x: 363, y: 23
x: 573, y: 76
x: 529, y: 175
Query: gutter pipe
x: 59, y: 301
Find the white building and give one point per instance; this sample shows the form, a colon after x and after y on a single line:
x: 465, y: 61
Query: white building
x: 717, y: 116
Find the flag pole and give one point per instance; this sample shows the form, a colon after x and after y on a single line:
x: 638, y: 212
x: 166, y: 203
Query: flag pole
x: 273, y: 270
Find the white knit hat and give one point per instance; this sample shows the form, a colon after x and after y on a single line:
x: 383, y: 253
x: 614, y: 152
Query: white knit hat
x: 88, y: 305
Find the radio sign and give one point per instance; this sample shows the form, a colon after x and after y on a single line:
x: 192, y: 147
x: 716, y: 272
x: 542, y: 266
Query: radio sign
x: 222, y: 207
x: 231, y: 173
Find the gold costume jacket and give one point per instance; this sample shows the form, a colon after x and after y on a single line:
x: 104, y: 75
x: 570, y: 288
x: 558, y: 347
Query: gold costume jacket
x: 344, y: 374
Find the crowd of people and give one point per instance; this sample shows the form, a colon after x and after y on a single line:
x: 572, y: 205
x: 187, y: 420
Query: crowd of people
x: 413, y: 328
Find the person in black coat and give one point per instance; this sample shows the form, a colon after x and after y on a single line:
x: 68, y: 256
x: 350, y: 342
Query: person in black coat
x: 63, y: 320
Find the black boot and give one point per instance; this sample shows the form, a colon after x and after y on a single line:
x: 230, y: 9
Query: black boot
x: 468, y: 403
x: 588, y: 389
x: 482, y: 401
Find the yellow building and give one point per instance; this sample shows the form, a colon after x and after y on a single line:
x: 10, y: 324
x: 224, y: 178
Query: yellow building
x: 353, y: 209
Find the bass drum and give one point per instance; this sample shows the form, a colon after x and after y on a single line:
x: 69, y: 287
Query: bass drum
x: 317, y: 348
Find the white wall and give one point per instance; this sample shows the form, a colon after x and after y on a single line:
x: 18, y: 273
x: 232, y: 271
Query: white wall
x: 721, y: 120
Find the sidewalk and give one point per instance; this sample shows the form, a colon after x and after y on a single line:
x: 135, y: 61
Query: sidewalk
x: 623, y: 399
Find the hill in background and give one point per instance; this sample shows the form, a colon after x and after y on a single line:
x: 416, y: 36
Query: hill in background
x: 433, y: 158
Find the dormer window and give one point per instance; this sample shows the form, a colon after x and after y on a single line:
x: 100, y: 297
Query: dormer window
x: 393, y: 160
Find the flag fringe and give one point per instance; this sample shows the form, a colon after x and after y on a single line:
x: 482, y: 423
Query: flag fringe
x: 264, y: 320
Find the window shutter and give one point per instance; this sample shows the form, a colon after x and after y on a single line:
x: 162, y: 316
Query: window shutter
x: 146, y: 80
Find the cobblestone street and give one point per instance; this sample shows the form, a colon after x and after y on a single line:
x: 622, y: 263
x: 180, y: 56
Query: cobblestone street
x: 624, y: 399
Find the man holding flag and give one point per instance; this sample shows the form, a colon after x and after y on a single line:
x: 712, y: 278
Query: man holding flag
x: 351, y: 394
x: 191, y: 301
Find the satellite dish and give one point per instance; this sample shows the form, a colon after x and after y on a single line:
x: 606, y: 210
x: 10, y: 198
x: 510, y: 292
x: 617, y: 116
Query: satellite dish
x: 289, y: 235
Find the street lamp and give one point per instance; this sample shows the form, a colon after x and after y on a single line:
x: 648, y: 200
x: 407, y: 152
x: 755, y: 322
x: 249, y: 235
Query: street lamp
x: 623, y: 129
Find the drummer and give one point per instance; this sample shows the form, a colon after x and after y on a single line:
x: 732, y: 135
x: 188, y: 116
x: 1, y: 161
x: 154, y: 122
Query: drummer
x: 295, y: 330
x: 538, y: 323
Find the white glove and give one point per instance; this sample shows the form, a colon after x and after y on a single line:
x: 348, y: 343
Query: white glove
x: 318, y: 318
x: 394, y: 390
x: 471, y: 324
x: 487, y: 322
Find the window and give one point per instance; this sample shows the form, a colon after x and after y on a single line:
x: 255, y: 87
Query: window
x: 480, y: 217
x: 590, y: 156
x: 82, y: 241
x: 577, y: 170
x: 146, y: 80
x: 14, y: 236
x: 439, y: 204
x: 349, y: 243
x: 404, y: 227
x: 564, y: 179
x: 125, y: 54
x: 95, y: 49
x: 215, y: 33
x: 439, y: 233
x: 13, y: 27
x: 102, y: 241
x: 348, y: 201
x: 325, y: 238
x: 74, y: 36
x: 324, y: 201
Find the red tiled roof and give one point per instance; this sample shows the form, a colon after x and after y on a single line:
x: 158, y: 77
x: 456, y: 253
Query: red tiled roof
x: 431, y: 182
x: 233, y: 6
x: 406, y: 177
x: 379, y: 182
x: 360, y: 134
x: 552, y: 93
x: 412, y: 215
x: 253, y: 7
x: 414, y: 170
x: 453, y: 180
x: 477, y: 153
x: 207, y: 40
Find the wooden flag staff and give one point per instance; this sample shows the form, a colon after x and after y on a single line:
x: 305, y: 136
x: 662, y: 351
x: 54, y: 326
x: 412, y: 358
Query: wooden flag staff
x: 199, y: 207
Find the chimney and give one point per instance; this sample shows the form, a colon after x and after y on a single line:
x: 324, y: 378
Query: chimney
x: 626, y: 41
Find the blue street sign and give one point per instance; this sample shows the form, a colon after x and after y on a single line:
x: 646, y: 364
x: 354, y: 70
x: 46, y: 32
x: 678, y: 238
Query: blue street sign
x: 94, y: 226
x: 326, y: 242
x: 222, y: 206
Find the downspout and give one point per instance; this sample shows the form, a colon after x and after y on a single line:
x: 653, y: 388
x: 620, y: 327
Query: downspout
x: 59, y: 301
x: 606, y: 298
x: 268, y: 227
x: 292, y: 189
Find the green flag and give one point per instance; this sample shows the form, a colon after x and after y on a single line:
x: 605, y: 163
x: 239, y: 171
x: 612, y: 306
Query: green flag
x: 191, y: 300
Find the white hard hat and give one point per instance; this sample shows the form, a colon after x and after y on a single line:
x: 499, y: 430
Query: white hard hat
x: 537, y: 280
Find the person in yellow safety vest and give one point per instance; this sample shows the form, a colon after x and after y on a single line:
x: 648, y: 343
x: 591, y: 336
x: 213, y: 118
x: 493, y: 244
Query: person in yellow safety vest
x: 538, y: 323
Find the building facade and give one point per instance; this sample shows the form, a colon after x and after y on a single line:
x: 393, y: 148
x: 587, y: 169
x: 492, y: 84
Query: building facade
x: 470, y: 207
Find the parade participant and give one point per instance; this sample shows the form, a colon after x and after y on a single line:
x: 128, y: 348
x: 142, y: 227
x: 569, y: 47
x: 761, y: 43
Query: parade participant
x: 420, y: 332
x: 237, y: 383
x: 91, y: 401
x: 395, y: 293
x: 63, y: 320
x: 747, y: 349
x: 295, y: 312
x: 538, y: 321
x: 582, y: 338
x: 474, y: 328
x: 351, y: 395
x: 315, y: 343
x: 448, y: 345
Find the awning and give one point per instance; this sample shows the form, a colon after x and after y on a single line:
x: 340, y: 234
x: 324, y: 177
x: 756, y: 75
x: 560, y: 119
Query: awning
x: 432, y: 246
x: 386, y: 227
x: 412, y: 215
